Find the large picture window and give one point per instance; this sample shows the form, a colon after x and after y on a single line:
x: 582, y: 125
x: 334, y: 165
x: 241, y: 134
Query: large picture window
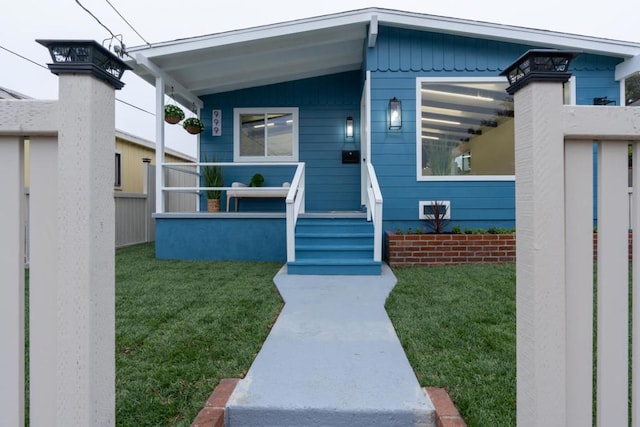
x: 265, y: 135
x: 465, y: 130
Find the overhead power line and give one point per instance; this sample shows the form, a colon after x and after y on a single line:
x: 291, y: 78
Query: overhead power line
x: 94, y: 17
x: 46, y: 68
x: 23, y: 57
x: 127, y: 22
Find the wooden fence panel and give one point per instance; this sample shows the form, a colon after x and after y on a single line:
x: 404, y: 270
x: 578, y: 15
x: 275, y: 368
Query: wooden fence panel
x: 613, y: 285
x: 131, y: 219
x: 12, y: 289
x: 579, y: 256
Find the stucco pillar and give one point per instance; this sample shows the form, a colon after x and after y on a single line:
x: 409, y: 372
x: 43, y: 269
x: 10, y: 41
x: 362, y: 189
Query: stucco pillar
x: 85, y: 327
x: 540, y: 245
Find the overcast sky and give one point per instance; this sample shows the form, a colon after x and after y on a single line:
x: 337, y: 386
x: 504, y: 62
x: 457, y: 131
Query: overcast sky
x: 23, y: 21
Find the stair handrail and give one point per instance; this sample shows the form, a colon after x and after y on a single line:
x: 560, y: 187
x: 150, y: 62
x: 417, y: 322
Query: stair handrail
x: 295, y: 203
x: 374, y: 210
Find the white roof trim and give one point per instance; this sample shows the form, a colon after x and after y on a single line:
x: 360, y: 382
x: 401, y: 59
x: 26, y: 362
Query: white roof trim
x: 399, y: 19
x: 125, y: 136
x: 373, y: 31
x: 169, y: 82
x: 628, y: 67
x: 291, y: 50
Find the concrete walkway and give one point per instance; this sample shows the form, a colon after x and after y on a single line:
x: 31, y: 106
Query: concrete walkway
x: 331, y: 359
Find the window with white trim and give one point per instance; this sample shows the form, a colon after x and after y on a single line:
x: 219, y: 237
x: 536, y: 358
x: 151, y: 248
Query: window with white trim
x: 118, y: 170
x: 265, y: 134
x: 465, y: 129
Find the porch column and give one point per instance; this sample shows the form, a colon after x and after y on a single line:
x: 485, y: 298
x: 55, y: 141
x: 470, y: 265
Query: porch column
x: 159, y: 144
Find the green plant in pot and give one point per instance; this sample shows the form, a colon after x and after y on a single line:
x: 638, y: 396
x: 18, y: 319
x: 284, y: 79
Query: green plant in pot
x: 193, y: 125
x: 256, y: 180
x: 173, y: 114
x: 212, y: 176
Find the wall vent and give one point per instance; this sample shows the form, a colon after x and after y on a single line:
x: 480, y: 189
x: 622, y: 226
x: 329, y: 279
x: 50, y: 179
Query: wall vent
x: 425, y: 208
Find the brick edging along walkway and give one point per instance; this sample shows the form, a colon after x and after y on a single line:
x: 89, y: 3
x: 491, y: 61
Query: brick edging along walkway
x: 212, y: 415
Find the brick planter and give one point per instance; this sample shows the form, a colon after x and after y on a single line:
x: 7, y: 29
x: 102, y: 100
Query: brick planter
x: 453, y: 249
x: 449, y: 249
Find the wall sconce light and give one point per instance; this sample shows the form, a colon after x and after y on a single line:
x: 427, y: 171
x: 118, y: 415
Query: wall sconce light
x: 348, y: 130
x: 395, y: 113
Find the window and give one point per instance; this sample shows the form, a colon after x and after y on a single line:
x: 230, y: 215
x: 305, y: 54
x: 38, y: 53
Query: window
x: 465, y: 129
x: 118, y: 171
x: 265, y: 135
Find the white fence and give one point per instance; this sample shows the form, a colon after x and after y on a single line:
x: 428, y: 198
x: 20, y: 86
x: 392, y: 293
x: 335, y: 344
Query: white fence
x: 72, y: 257
x: 555, y: 269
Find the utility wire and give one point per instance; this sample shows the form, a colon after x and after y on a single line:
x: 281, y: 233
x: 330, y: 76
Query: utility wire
x: 94, y: 17
x: 46, y: 68
x: 127, y: 22
x: 23, y: 57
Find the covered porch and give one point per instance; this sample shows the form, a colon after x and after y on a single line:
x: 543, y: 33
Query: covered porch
x: 335, y: 242
x: 290, y: 103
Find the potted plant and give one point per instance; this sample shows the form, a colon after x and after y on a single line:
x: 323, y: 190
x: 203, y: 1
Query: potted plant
x: 193, y: 125
x: 212, y: 175
x: 256, y: 180
x: 173, y: 114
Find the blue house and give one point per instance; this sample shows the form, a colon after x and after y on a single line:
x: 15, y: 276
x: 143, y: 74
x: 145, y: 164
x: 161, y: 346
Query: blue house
x: 360, y: 122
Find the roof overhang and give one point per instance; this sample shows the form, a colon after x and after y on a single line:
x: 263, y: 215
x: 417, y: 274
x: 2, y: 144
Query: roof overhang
x: 311, y: 47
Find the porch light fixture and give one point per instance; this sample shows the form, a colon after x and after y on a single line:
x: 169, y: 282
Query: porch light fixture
x: 539, y: 65
x: 395, y: 113
x: 85, y: 57
x: 348, y: 130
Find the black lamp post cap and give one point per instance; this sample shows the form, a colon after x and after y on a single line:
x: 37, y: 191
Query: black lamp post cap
x: 85, y: 57
x: 539, y: 65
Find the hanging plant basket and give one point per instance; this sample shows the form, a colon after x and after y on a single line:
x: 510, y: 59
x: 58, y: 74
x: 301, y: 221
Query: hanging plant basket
x: 173, y: 114
x: 193, y: 125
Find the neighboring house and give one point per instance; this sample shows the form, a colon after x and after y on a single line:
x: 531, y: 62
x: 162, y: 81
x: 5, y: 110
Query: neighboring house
x: 287, y: 92
x: 130, y: 151
x: 133, y: 206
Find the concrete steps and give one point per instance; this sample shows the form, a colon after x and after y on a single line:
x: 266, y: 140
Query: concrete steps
x: 342, y: 246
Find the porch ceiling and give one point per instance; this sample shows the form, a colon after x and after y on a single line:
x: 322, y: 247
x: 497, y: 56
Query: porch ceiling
x: 315, y: 46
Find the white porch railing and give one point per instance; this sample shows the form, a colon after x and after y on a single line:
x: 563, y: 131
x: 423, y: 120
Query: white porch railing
x: 374, y: 210
x: 295, y: 206
x: 295, y: 199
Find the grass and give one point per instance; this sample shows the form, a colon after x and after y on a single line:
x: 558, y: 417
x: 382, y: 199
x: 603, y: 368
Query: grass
x: 183, y: 326
x: 458, y: 328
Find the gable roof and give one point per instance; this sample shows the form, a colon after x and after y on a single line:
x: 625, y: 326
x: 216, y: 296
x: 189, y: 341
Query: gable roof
x: 320, y: 45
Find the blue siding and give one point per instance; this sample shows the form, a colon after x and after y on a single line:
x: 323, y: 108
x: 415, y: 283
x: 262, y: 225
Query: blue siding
x: 324, y: 104
x: 401, y: 56
x: 206, y: 238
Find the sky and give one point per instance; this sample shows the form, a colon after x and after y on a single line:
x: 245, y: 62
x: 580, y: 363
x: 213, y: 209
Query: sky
x: 24, y: 21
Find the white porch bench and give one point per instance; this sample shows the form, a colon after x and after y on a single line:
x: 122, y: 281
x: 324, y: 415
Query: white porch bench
x: 255, y: 192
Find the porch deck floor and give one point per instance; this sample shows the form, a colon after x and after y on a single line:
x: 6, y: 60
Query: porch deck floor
x: 332, y: 359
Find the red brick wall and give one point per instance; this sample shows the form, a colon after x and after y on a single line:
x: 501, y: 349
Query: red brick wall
x: 595, y: 246
x: 449, y: 249
x: 452, y: 249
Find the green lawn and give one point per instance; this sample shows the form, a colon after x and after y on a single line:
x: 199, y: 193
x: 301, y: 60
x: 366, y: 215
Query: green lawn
x: 181, y: 327
x: 458, y: 328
